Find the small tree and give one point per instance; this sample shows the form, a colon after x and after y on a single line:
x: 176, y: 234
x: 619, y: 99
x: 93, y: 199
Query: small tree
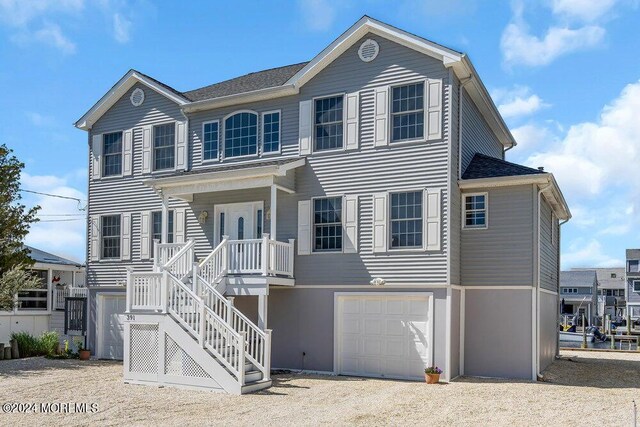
x: 15, y: 220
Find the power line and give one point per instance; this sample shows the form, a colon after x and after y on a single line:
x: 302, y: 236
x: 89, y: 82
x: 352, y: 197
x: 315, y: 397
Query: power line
x: 61, y: 220
x: 80, y: 208
x: 79, y: 214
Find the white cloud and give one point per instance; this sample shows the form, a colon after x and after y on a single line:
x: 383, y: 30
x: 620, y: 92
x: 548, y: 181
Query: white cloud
x: 532, y: 137
x: 597, y: 156
x: 121, y: 28
x: 318, y: 15
x: 40, y: 120
x: 17, y: 13
x: 587, y: 253
x: 517, y: 101
x: 52, y: 35
x: 62, y: 229
x: 584, y: 10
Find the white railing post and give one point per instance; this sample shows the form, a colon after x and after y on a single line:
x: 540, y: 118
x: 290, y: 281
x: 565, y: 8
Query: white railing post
x: 243, y: 337
x: 156, y: 254
x: 291, y: 255
x: 225, y: 255
x: 229, y: 312
x: 265, y: 254
x: 129, y: 290
x: 267, y: 355
x: 194, y: 278
x: 55, y: 298
x: 165, y: 291
x: 202, y: 324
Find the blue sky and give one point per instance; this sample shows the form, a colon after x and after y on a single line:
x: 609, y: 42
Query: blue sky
x: 564, y: 73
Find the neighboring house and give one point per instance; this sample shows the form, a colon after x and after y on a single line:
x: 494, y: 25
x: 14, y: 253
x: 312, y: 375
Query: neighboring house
x: 632, y: 280
x: 578, y: 294
x: 353, y: 214
x: 39, y: 310
x: 611, y: 291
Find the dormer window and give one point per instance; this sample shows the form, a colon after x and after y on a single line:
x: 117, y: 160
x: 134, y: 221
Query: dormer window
x: 241, y: 134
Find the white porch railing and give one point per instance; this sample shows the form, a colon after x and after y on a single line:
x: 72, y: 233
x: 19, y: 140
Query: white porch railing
x: 144, y: 291
x: 181, y: 262
x: 250, y: 256
x: 59, y: 295
x: 163, y: 252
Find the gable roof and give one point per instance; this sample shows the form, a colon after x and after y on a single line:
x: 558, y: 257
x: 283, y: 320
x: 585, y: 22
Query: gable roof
x: 577, y: 278
x: 247, y: 83
x: 605, y: 281
x: 47, y: 258
x: 482, y: 166
x: 287, y: 80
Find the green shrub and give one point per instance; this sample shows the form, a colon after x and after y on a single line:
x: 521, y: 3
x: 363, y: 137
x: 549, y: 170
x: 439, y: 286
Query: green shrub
x: 49, y: 343
x: 30, y: 346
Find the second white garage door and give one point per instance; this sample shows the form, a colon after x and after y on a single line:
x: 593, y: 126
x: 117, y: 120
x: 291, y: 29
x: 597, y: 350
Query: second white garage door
x: 110, y: 320
x: 383, y: 335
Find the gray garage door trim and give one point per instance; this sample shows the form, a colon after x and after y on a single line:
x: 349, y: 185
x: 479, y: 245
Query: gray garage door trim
x: 101, y: 329
x: 428, y: 355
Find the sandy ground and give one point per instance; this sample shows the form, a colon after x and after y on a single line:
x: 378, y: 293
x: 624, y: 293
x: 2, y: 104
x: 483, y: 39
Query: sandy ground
x: 583, y: 388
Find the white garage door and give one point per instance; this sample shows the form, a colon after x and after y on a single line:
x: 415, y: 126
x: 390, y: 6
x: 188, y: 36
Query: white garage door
x: 111, y: 326
x: 384, y: 335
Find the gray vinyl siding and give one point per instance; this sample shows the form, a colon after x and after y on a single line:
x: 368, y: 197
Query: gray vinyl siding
x: 477, y: 136
x: 548, y: 329
x: 548, y: 248
x: 632, y: 297
x: 502, y: 254
x: 127, y: 194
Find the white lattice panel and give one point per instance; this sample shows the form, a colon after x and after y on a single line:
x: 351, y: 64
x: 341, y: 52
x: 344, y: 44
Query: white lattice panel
x: 179, y: 363
x: 143, y: 349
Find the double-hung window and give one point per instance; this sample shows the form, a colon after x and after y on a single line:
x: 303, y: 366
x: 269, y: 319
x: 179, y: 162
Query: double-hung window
x: 210, y: 141
x: 329, y: 123
x: 241, y: 134
x: 636, y: 286
x: 475, y: 211
x: 156, y: 220
x: 327, y: 224
x: 110, y: 227
x: 406, y: 219
x: 164, y: 146
x: 633, y: 266
x: 112, y: 154
x: 271, y: 132
x: 407, y: 112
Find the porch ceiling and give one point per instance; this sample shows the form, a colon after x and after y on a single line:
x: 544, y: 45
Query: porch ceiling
x: 238, y: 176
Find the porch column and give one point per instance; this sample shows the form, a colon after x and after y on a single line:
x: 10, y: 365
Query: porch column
x: 165, y: 219
x: 274, y: 210
x: 263, y: 301
x: 73, y: 278
x: 49, y: 290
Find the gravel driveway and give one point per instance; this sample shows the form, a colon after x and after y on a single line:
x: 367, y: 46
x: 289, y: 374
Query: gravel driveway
x: 583, y: 388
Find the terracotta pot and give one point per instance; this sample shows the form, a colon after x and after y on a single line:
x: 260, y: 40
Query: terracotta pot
x: 84, y: 354
x: 432, y: 378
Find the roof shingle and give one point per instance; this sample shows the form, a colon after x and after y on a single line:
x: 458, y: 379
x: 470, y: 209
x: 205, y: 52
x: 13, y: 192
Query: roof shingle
x: 482, y: 166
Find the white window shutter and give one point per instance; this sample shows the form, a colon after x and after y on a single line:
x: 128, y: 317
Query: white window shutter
x: 94, y: 231
x: 127, y: 152
x: 125, y: 237
x: 147, y: 132
x: 96, y: 151
x: 380, y: 222
x: 304, y: 137
x: 433, y: 227
x: 350, y: 224
x: 434, y: 109
x: 304, y: 227
x: 182, y: 153
x: 145, y: 235
x: 180, y: 226
x: 381, y: 117
x: 353, y: 116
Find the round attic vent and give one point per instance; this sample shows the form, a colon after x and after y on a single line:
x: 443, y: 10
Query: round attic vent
x: 368, y: 51
x: 137, y: 97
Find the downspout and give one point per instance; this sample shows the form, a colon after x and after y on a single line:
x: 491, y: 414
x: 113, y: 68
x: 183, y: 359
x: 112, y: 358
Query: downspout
x: 462, y: 84
x: 539, y: 281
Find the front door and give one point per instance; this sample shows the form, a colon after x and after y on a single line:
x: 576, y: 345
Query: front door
x: 240, y: 221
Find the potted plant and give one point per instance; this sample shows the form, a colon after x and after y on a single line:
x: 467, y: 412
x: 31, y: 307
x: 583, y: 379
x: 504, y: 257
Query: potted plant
x: 432, y: 375
x: 83, y: 353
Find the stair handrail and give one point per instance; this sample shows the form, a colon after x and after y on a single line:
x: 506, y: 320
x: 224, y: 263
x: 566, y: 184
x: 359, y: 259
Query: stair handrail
x: 207, y: 338
x: 257, y: 341
x: 219, y: 250
x: 187, y: 250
